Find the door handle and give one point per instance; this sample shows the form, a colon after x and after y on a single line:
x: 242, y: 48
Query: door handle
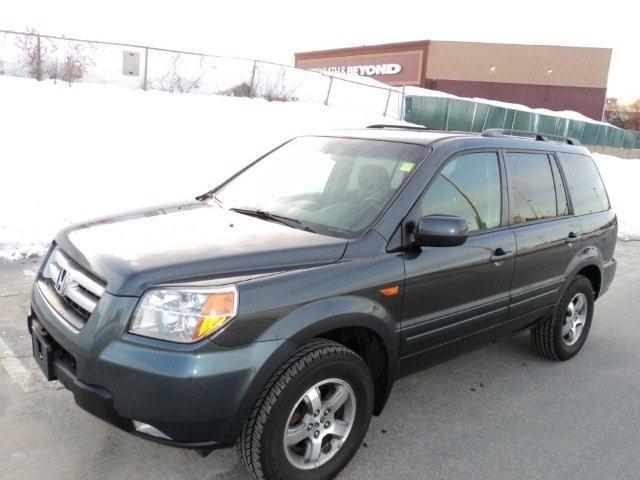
x: 500, y: 254
x: 572, y: 238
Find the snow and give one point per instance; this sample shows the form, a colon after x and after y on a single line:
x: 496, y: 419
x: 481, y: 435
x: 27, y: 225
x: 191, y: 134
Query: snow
x: 621, y: 177
x: 72, y: 153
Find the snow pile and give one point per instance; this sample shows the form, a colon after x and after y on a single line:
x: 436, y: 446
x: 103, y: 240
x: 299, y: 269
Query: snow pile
x: 621, y: 177
x: 72, y: 153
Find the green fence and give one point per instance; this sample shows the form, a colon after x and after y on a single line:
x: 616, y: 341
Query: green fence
x: 454, y: 114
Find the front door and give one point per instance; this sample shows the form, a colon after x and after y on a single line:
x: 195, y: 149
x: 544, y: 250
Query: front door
x: 456, y: 298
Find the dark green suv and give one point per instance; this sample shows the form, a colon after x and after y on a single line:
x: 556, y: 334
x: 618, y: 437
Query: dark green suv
x: 276, y: 311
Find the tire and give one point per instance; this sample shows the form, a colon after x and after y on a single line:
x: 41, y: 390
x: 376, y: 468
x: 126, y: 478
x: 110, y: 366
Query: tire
x: 553, y: 338
x: 261, y: 444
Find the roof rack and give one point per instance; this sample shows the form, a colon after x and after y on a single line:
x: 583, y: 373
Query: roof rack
x: 404, y: 127
x: 539, y: 137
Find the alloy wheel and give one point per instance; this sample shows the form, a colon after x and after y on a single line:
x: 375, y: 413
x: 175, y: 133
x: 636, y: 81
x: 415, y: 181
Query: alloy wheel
x: 319, y: 423
x: 575, y: 319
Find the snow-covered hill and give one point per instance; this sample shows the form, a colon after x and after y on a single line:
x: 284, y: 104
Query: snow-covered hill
x: 72, y: 153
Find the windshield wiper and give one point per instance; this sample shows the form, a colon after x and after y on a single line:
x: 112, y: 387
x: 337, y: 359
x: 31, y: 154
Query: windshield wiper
x: 289, y: 222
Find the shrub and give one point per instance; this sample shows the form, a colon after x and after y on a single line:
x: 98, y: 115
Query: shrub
x: 53, y: 69
x: 275, y: 89
x: 73, y: 66
x: 243, y: 89
x: 172, y: 81
x: 272, y: 89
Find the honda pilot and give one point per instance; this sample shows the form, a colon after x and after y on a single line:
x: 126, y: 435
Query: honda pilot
x: 276, y: 311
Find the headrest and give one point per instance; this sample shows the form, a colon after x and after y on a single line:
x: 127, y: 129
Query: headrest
x: 373, y: 177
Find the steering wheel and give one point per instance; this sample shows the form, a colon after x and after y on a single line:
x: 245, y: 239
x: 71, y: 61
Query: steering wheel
x: 373, y: 201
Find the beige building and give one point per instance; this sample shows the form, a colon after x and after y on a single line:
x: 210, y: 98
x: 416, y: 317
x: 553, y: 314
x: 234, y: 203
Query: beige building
x: 554, y: 77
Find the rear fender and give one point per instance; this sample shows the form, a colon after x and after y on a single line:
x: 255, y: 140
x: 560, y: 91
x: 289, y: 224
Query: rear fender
x: 586, y: 257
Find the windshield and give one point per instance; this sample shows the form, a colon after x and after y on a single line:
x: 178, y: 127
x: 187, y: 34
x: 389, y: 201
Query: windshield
x: 335, y: 186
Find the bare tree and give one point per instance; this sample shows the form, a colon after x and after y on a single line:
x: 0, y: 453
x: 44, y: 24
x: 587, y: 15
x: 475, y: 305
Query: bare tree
x: 275, y: 88
x: 173, y: 81
x: 633, y: 122
x: 623, y: 116
x: 35, y: 52
x: 614, y: 112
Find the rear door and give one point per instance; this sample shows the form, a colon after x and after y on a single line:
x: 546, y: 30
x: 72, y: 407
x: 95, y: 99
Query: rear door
x: 547, y: 236
x: 457, y: 298
x: 591, y: 208
x: 590, y: 203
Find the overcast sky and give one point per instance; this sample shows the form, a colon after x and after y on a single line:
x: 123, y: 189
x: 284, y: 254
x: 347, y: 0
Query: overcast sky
x: 274, y: 30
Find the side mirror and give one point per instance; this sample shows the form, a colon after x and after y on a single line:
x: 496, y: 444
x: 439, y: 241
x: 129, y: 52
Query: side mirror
x: 441, y: 231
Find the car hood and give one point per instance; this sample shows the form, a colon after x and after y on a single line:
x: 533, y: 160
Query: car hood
x: 193, y: 242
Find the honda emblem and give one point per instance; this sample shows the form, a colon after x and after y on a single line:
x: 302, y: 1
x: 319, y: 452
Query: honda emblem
x: 61, y: 281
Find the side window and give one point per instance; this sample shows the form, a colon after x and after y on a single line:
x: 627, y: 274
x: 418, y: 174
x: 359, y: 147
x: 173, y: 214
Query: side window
x: 561, y: 193
x: 468, y: 186
x: 586, y: 187
x: 532, y: 191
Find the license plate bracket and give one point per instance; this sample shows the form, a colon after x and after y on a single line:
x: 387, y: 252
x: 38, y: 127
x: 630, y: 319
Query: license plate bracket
x: 43, y: 353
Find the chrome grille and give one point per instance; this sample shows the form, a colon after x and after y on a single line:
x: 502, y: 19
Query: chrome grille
x: 80, y: 291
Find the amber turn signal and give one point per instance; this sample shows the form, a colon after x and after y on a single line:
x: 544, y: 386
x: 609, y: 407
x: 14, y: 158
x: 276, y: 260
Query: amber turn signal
x: 390, y: 291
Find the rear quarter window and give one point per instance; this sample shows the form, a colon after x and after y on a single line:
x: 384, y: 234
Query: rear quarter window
x: 585, y: 185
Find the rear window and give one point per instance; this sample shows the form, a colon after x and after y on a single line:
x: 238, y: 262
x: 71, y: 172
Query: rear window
x: 532, y: 190
x: 585, y: 185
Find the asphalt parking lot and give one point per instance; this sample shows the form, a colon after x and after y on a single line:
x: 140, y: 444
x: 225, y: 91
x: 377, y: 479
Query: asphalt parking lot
x: 499, y: 413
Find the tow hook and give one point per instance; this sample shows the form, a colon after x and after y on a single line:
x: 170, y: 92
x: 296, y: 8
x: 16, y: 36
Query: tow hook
x: 203, y: 452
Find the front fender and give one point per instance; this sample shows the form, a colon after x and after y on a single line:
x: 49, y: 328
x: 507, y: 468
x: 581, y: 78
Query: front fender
x: 348, y: 312
x: 316, y: 318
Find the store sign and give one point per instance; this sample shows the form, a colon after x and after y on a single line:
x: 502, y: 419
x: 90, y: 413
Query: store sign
x: 394, y: 68
x: 364, y: 70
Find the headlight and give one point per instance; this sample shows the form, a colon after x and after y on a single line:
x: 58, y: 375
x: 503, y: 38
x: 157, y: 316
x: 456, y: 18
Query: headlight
x: 184, y: 316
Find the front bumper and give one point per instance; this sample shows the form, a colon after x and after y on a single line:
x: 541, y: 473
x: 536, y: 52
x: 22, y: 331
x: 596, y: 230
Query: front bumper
x: 197, y: 396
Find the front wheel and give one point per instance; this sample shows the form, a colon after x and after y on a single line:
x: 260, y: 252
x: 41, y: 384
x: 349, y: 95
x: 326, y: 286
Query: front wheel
x: 311, y: 417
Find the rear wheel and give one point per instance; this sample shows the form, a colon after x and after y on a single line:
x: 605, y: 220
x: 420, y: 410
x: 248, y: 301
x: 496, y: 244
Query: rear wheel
x: 562, y: 335
x: 311, y: 417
